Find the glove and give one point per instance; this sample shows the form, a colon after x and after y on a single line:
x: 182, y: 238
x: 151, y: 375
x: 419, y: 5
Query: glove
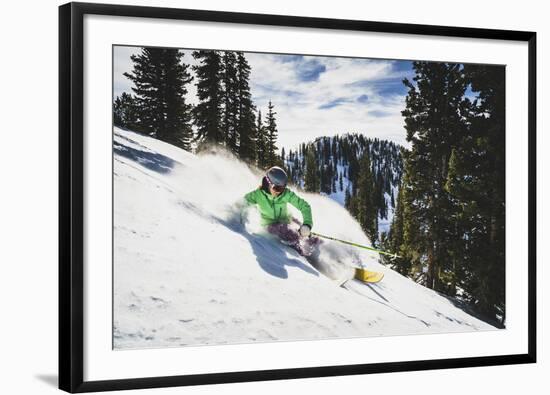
x: 305, y: 230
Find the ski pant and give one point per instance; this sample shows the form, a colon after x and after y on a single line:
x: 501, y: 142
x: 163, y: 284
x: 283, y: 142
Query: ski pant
x: 291, y: 237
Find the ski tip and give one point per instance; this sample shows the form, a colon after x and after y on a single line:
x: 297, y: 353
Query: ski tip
x: 368, y: 276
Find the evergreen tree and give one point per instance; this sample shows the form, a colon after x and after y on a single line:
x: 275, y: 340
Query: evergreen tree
x: 353, y: 170
x: 347, y: 198
x: 125, y: 112
x: 395, y: 239
x: 230, y: 108
x: 208, y: 112
x: 160, y: 80
x: 271, y: 130
x: 476, y: 184
x: 434, y: 124
x: 261, y: 142
x: 366, y: 206
x: 311, y: 180
x: 325, y: 178
x: 246, y: 129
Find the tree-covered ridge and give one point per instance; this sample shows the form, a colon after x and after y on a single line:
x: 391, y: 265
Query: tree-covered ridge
x: 224, y: 115
x: 361, y: 173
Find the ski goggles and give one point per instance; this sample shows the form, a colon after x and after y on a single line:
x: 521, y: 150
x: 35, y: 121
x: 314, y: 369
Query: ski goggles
x: 276, y: 188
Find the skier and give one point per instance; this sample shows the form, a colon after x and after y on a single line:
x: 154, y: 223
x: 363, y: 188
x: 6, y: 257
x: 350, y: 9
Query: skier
x: 271, y: 197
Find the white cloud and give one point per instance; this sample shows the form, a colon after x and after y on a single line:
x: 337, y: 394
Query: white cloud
x: 122, y: 63
x: 298, y: 102
x: 299, y: 87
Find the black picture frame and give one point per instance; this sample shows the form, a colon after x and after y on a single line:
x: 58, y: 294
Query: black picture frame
x: 71, y: 195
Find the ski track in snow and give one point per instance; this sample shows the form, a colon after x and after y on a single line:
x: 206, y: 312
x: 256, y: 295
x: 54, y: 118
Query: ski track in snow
x: 187, y: 272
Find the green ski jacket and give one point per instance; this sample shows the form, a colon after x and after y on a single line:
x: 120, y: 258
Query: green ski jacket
x: 274, y: 209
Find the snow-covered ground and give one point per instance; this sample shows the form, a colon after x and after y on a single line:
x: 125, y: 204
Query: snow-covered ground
x: 189, y: 271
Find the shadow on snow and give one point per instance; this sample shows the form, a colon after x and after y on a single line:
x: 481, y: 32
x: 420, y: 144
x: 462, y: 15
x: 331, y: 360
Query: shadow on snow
x: 272, y: 258
x: 146, y: 158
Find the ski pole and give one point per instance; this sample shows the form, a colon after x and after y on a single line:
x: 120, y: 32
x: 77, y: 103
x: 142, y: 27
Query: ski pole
x: 394, y: 255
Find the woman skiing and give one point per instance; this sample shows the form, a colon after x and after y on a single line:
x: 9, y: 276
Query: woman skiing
x: 271, y: 197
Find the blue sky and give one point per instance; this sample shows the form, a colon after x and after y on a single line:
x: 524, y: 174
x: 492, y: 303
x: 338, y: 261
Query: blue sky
x: 316, y: 96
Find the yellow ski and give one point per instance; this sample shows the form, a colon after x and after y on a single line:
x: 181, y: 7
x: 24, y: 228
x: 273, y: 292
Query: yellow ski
x: 367, y: 276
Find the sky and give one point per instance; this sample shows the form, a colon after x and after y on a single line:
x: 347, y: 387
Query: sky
x: 314, y: 95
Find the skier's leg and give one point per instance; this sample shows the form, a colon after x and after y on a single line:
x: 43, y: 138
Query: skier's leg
x: 287, y: 235
x: 310, y: 245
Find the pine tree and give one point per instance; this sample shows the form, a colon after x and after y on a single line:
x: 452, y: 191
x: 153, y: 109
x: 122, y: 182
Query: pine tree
x: 395, y: 239
x: 347, y: 198
x: 208, y: 112
x: 261, y: 143
x: 476, y: 184
x: 271, y: 130
x: 160, y: 80
x: 434, y: 124
x: 230, y: 107
x: 311, y: 180
x: 366, y: 206
x: 125, y: 112
x: 246, y: 128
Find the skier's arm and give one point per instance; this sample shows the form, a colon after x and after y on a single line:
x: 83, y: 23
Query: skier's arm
x: 303, y: 206
x: 251, y: 197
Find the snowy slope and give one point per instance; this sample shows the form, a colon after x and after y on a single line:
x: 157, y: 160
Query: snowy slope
x: 187, y: 272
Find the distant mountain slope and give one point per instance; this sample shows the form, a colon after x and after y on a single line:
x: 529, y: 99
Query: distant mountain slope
x: 337, y: 160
